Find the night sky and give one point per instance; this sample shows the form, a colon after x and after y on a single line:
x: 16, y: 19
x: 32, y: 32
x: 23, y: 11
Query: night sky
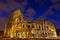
x: 46, y: 9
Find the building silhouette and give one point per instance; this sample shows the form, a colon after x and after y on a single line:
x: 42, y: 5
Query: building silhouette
x: 19, y: 27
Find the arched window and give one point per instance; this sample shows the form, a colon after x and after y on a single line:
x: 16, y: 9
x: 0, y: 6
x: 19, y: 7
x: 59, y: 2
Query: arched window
x: 32, y: 26
x: 33, y: 35
x: 39, y: 27
x: 20, y: 19
x: 28, y: 26
x: 16, y: 20
x: 23, y: 26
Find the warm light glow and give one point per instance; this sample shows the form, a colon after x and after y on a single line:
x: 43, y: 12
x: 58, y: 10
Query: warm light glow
x: 16, y: 19
x: 51, y: 29
x: 33, y: 31
x: 55, y: 34
x: 16, y: 28
x: 24, y: 34
x: 11, y: 36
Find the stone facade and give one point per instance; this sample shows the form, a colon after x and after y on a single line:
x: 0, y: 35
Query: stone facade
x: 19, y: 27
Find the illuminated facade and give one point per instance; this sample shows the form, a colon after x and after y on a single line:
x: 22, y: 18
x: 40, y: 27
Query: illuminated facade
x: 17, y: 26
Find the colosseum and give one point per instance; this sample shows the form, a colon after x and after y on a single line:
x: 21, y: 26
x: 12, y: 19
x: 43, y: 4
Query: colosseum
x: 18, y: 27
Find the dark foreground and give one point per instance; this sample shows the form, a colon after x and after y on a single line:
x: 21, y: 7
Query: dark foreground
x: 29, y: 38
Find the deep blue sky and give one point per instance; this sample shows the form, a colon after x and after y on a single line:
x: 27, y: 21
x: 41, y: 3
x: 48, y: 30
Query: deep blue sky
x: 49, y: 9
